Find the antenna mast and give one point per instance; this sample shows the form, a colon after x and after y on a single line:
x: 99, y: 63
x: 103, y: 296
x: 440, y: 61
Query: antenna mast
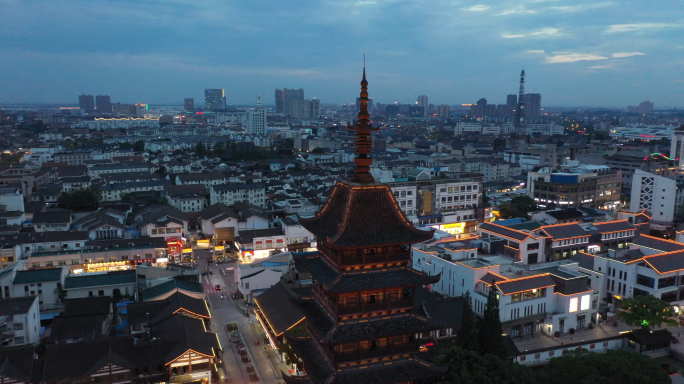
x: 520, y: 111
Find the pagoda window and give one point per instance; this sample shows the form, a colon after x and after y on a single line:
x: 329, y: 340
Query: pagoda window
x: 373, y: 345
x: 364, y: 345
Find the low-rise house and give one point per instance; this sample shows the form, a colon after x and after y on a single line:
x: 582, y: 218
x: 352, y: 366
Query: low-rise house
x: 114, y: 192
x: 240, y: 216
x: 100, y: 284
x: 229, y: 194
x: 19, y: 322
x: 75, y: 183
x: 187, y: 198
x: 58, y: 220
x: 167, y: 222
x: 47, y: 284
x: 100, y: 225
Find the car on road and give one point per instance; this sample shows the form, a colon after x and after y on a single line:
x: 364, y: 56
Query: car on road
x: 207, y: 273
x: 217, y: 287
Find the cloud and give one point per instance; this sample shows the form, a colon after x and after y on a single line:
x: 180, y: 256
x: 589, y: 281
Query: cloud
x: 581, y: 7
x: 619, y: 28
x: 536, y: 51
x: 516, y: 11
x: 607, y: 66
x: 546, y: 31
x: 627, y: 54
x: 477, y: 8
x: 573, y: 57
x: 541, y: 32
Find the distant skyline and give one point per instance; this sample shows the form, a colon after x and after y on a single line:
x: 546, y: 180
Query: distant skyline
x: 575, y: 53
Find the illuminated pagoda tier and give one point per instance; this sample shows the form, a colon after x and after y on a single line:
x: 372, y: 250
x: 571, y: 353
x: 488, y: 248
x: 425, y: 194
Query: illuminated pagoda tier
x: 362, y: 318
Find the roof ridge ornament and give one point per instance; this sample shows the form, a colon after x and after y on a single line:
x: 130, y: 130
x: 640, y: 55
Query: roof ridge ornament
x: 363, y: 141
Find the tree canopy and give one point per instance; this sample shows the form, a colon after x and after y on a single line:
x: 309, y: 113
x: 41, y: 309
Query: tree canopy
x: 469, y: 367
x: 646, y: 311
x: 490, y: 334
x: 139, y: 146
x: 616, y: 366
x: 80, y: 200
x: 519, y: 206
x: 466, y: 338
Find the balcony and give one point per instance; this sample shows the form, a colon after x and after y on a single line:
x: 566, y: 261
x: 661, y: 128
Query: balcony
x: 363, y: 307
x: 364, y: 258
x: 385, y: 305
x: 339, y: 357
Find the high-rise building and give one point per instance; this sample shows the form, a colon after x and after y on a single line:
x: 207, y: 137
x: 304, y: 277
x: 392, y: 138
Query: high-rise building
x: 284, y: 98
x: 370, y: 104
x: 306, y: 109
x: 512, y: 101
x: 214, y: 99
x: 256, y: 119
x: 443, y: 111
x: 422, y: 101
x: 643, y: 107
x: 481, y: 107
x: 416, y: 111
x: 104, y: 104
x: 189, y: 104
x: 87, y: 103
x: 532, y: 104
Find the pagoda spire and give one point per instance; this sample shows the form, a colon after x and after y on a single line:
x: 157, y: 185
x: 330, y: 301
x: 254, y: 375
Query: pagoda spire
x: 363, y: 141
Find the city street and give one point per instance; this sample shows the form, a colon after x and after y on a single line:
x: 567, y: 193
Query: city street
x: 223, y: 312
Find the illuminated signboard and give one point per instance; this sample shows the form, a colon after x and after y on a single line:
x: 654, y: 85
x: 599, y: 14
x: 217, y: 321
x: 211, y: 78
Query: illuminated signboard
x: 585, y: 303
x: 573, y: 304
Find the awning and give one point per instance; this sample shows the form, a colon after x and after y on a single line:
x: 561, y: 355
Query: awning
x: 49, y: 316
x: 563, y: 318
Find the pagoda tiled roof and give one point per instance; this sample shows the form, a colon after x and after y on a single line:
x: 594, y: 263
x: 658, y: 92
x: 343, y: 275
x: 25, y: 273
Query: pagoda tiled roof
x: 318, y: 368
x: 338, y: 282
x: 404, y: 370
x: 363, y: 215
x: 368, y: 329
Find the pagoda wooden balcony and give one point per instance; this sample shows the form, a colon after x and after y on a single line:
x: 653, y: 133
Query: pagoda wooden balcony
x: 361, y: 258
x: 385, y: 305
x: 362, y: 307
x: 368, y: 354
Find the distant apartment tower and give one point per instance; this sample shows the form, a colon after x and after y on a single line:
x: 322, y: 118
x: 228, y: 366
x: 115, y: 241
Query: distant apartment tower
x: 643, y: 107
x: 358, y: 104
x: 443, y: 111
x: 87, y: 103
x: 479, y: 109
x: 214, y: 99
x: 256, y: 119
x: 422, y: 101
x: 104, y: 104
x: 284, y: 98
x: 306, y: 109
x: 189, y: 104
x: 512, y: 100
x: 532, y: 104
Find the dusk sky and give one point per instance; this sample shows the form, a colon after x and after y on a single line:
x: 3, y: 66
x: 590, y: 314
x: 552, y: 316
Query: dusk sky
x: 575, y: 53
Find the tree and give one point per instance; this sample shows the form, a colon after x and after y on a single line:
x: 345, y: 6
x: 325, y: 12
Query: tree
x: 519, y: 206
x: 466, y: 338
x: 647, y: 311
x: 469, y: 367
x: 200, y: 150
x: 116, y: 296
x: 139, y: 146
x: 318, y: 150
x: 127, y: 197
x: 80, y: 200
x: 616, y: 366
x: 490, y: 335
x: 125, y: 145
x: 485, y: 198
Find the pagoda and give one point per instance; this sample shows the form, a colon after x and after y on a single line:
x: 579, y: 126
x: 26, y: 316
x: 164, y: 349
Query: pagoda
x: 362, y: 315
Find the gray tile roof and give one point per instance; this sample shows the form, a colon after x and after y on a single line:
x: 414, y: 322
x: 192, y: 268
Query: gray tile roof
x: 525, y: 284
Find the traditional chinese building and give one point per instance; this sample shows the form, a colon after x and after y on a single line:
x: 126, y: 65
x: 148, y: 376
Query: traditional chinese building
x: 362, y: 317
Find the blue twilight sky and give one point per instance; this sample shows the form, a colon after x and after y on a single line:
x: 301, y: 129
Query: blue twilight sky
x: 575, y: 52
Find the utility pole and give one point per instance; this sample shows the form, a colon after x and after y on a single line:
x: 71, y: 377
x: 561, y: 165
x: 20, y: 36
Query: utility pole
x: 520, y: 112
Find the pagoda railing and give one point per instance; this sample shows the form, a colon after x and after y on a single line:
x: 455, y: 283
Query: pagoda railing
x: 346, y: 309
x: 358, y: 257
x: 362, y: 307
x: 324, y: 299
x: 366, y: 354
